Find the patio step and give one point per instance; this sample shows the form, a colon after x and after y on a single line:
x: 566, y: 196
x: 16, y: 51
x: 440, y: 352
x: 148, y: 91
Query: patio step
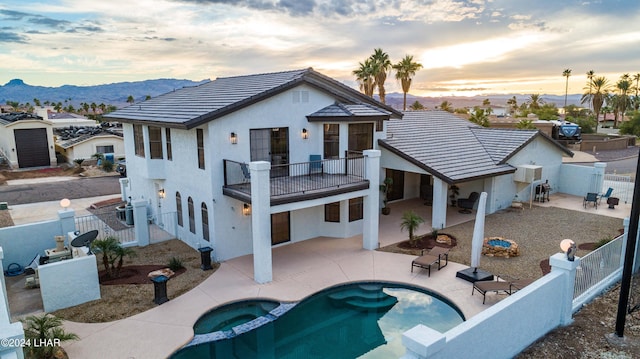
x: 364, y: 298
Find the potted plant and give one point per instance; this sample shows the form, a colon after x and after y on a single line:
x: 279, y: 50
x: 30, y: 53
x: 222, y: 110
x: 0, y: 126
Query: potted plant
x: 386, y: 188
x: 454, y: 191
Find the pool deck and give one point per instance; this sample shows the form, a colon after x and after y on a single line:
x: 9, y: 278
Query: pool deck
x: 299, y: 269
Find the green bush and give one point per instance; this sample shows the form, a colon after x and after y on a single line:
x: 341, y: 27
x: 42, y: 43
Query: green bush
x: 175, y: 264
x: 602, y: 242
x: 107, y: 166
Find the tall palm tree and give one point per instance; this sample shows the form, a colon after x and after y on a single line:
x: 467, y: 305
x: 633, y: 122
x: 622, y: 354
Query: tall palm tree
x: 405, y: 70
x: 383, y: 63
x: 636, y: 104
x: 365, y: 75
x: 598, y: 90
x: 624, y: 86
x: 590, y: 74
x: 535, y: 101
x: 446, y: 106
x: 513, y: 104
x: 566, y: 73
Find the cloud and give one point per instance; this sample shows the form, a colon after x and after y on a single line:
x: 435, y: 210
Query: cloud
x: 12, y: 37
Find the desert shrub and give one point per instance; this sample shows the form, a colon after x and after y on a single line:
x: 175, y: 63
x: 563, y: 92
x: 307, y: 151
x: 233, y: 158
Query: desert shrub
x: 175, y: 264
x: 107, y: 166
x: 602, y: 242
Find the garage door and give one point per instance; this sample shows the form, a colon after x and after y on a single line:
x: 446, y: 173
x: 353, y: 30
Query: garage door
x: 32, y: 147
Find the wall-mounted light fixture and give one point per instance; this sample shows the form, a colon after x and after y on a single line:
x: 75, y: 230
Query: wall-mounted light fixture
x: 305, y: 134
x: 233, y: 138
x: 65, y: 203
x: 161, y: 193
x: 246, y: 210
x: 569, y: 247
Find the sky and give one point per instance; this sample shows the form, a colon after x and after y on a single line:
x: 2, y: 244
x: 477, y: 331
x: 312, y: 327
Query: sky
x: 466, y: 47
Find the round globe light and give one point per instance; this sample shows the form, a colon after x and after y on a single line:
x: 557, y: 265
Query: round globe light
x: 65, y: 203
x: 565, y: 244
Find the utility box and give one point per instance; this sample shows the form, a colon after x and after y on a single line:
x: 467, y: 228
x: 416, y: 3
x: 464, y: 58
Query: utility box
x: 528, y: 173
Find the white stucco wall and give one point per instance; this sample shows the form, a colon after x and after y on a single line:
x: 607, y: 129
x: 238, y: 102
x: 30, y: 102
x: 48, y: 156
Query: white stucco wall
x: 88, y: 148
x: 8, y: 140
x: 69, y: 282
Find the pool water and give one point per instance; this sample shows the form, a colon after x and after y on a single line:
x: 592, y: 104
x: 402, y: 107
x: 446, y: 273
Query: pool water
x: 359, y: 320
x: 234, y: 314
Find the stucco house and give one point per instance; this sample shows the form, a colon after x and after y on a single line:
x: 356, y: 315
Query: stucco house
x: 83, y: 143
x: 251, y: 162
x: 428, y: 151
x: 256, y: 161
x: 26, y: 140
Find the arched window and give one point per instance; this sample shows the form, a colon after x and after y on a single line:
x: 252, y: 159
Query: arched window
x: 179, y: 208
x: 205, y: 221
x: 192, y: 218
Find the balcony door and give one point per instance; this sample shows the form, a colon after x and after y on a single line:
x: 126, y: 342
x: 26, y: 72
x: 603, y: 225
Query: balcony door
x: 271, y: 145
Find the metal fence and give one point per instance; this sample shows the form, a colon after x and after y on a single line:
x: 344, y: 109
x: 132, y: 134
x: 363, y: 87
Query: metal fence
x: 598, y: 269
x: 108, y: 222
x: 622, y: 187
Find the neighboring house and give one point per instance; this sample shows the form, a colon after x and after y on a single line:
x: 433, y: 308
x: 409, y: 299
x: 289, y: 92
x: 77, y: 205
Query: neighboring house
x: 427, y: 151
x: 82, y: 143
x: 213, y: 152
x: 26, y: 140
x: 64, y: 119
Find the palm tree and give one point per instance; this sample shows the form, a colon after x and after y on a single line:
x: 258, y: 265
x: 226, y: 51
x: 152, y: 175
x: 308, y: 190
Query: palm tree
x: 365, y: 75
x: 636, y: 104
x: 446, y: 106
x: 566, y: 73
x: 598, y: 90
x: 535, y: 101
x: 383, y: 65
x: 94, y: 107
x: 479, y: 116
x: 624, y: 86
x: 130, y: 99
x: 46, y: 331
x: 416, y: 106
x: 590, y: 74
x: 513, y: 104
x: 410, y: 221
x: 405, y: 70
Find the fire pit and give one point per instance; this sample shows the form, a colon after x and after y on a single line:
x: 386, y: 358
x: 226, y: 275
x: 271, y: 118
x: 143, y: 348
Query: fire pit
x: 500, y: 247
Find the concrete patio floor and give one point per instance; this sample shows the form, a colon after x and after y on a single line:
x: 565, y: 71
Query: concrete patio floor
x: 299, y: 269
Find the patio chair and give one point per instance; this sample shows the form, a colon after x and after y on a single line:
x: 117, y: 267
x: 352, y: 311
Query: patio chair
x: 316, y: 165
x: 467, y: 203
x: 591, y: 197
x: 501, y: 284
x: 245, y: 172
x: 435, y: 256
x: 605, y: 195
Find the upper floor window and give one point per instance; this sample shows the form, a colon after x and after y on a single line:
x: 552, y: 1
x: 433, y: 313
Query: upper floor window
x: 155, y: 142
x: 192, y: 218
x: 360, y: 136
x: 138, y: 140
x: 167, y: 133
x: 179, y: 208
x: 200, y: 137
x: 331, y: 140
x: 205, y: 221
x: 104, y: 149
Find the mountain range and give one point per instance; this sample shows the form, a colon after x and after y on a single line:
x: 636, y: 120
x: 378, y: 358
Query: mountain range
x: 117, y: 93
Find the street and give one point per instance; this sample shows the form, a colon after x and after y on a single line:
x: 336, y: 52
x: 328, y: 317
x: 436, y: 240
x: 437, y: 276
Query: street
x: 55, y: 191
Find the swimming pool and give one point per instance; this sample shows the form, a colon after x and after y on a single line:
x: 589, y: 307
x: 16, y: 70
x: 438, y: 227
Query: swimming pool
x: 356, y: 320
x: 231, y: 315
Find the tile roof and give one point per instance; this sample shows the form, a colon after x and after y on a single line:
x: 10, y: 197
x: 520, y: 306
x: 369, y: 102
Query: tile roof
x: 453, y: 149
x: 8, y: 118
x: 192, y: 106
x: 340, y: 111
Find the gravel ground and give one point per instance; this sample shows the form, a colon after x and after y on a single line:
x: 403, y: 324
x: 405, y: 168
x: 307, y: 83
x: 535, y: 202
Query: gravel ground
x: 612, y: 155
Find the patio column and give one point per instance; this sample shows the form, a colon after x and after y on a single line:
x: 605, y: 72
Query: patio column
x: 559, y: 262
x: 140, y: 220
x: 371, y: 202
x: 439, y: 208
x: 261, y: 221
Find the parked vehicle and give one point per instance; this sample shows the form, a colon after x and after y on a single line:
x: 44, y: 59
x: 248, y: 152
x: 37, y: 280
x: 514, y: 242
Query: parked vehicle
x: 566, y: 131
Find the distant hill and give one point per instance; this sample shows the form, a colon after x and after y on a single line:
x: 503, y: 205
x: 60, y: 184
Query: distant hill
x: 109, y: 94
x: 117, y: 94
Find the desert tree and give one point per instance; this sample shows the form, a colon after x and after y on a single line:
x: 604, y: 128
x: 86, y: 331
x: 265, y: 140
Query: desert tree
x: 383, y: 65
x: 405, y: 71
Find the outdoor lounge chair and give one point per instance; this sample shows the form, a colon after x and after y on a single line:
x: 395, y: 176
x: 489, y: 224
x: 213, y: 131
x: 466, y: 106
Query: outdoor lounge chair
x: 245, y: 172
x: 499, y: 285
x: 435, y: 255
x: 591, y: 197
x: 605, y: 195
x: 467, y: 203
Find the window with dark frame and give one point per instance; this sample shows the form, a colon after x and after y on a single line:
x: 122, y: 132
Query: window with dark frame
x: 205, y: 221
x: 138, y: 140
x: 104, y: 149
x: 167, y: 135
x: 332, y: 212
x: 331, y: 140
x: 200, y: 136
x: 360, y: 136
x: 179, y: 208
x: 192, y: 216
x: 356, y: 209
x: 155, y: 142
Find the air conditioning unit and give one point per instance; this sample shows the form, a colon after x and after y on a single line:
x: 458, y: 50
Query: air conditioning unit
x: 527, y: 173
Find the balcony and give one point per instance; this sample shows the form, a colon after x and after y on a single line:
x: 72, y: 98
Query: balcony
x: 299, y: 181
